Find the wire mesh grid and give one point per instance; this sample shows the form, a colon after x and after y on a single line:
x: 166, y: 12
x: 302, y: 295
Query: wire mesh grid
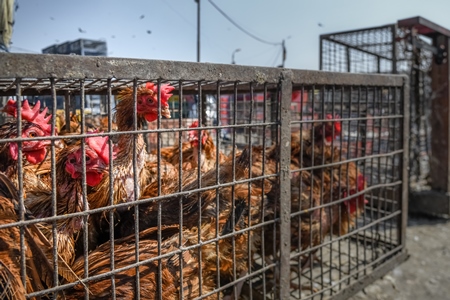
x: 137, y: 206
x: 391, y: 49
x: 328, y: 251
x: 361, y: 51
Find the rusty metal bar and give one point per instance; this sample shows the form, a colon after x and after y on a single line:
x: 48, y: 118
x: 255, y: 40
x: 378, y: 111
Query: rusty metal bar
x: 355, y: 31
x: 348, y: 58
x: 85, y: 235
x: 53, y: 184
x: 356, y: 48
x: 137, y: 282
x: 394, y: 49
x: 111, y: 187
x: 403, y: 223
x: 67, y: 110
x: 321, y: 38
x: 285, y: 183
x: 21, y: 217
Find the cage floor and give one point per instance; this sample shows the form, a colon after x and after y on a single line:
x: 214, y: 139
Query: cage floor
x: 335, y: 265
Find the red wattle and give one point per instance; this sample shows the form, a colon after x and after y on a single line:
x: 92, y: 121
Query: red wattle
x: 35, y: 157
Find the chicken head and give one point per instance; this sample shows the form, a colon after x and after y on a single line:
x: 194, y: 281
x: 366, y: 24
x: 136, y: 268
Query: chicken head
x: 193, y: 135
x: 147, y: 101
x: 33, y: 150
x: 329, y: 130
x: 97, y: 160
x: 35, y: 125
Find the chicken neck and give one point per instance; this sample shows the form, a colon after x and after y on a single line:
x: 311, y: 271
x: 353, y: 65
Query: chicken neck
x: 123, y: 167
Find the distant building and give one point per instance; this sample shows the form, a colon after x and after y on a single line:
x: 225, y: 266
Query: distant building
x: 95, y: 103
x: 80, y: 47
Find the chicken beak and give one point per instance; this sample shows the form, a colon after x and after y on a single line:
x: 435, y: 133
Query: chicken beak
x: 165, y: 112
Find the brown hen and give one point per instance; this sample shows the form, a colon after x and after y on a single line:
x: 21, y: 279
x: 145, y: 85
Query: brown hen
x: 200, y: 272
x: 209, y: 213
x: 316, y: 191
x: 69, y: 192
x: 123, y: 170
x: 37, y: 250
x: 34, y: 124
x: 151, y: 272
x: 209, y: 156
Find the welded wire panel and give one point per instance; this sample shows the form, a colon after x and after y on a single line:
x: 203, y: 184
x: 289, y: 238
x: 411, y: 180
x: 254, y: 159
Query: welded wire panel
x: 161, y: 207
x: 183, y: 187
x: 351, y: 146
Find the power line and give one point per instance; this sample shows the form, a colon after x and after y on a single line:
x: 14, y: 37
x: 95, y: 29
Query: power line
x: 265, y: 51
x: 207, y: 38
x: 23, y: 49
x: 178, y: 13
x: 239, y: 27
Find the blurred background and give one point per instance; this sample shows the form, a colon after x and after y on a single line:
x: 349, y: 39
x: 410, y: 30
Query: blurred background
x: 251, y: 32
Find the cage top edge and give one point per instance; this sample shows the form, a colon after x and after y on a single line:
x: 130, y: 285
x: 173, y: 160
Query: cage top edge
x: 14, y: 65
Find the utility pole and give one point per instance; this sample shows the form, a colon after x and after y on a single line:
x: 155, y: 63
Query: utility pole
x: 198, y: 30
x: 283, y: 58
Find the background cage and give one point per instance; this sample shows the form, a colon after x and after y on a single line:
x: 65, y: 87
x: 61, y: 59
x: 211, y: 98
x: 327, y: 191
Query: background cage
x: 416, y: 47
x: 256, y: 106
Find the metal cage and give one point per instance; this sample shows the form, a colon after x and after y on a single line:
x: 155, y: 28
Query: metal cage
x: 416, y: 47
x: 256, y: 224
x: 389, y: 50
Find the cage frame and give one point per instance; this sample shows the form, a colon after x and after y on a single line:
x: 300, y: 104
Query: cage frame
x: 59, y: 67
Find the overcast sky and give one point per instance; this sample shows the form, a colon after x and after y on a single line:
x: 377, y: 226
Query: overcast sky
x: 126, y: 26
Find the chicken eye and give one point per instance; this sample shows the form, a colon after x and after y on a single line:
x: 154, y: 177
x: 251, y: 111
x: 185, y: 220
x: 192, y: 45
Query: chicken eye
x: 150, y: 100
x: 72, y: 160
x: 32, y: 134
x: 88, y: 158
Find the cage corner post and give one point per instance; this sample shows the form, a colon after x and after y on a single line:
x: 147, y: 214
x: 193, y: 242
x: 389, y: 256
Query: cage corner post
x: 404, y: 201
x: 285, y: 184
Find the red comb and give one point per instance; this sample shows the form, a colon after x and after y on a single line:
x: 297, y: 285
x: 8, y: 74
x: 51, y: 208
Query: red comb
x: 193, y: 134
x: 33, y: 115
x: 337, y: 127
x: 10, y: 108
x: 361, y: 182
x: 165, y: 91
x: 337, y: 124
x: 100, y: 145
x: 329, y: 136
x: 194, y: 124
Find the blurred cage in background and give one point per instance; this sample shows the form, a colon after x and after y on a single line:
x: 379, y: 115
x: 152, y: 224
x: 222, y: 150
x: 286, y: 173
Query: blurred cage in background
x: 269, y: 246
x: 416, y: 47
